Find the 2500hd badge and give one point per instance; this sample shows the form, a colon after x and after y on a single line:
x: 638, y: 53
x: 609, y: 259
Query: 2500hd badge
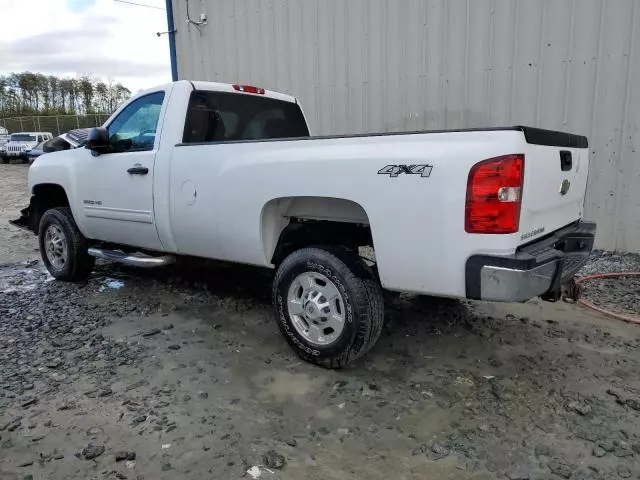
x: 532, y: 233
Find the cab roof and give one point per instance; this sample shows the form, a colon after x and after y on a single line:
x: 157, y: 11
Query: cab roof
x: 233, y: 88
x: 224, y: 87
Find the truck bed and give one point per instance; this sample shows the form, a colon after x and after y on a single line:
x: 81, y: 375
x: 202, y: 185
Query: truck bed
x: 533, y: 136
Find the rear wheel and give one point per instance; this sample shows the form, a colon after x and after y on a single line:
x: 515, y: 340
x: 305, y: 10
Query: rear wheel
x: 329, y: 308
x: 62, y: 246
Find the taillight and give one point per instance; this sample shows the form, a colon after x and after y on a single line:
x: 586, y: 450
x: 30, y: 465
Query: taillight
x: 494, y: 195
x: 249, y: 89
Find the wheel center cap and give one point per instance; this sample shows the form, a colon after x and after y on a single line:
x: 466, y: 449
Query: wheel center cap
x: 312, y: 310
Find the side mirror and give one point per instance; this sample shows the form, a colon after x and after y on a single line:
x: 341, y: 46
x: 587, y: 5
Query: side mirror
x: 98, y: 140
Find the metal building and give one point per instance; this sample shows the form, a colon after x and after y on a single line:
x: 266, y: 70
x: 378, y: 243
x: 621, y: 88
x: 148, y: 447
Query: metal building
x: 389, y: 65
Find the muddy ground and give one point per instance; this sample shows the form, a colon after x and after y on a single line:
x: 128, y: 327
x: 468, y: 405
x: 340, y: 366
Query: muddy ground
x: 181, y: 373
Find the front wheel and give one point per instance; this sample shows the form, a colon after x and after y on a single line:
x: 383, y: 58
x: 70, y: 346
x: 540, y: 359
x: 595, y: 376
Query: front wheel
x: 63, y: 248
x: 328, y: 308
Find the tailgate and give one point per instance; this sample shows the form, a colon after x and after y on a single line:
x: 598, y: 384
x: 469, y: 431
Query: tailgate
x: 555, y: 182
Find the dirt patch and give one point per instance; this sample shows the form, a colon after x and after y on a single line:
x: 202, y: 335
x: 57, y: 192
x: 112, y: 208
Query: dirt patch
x: 181, y: 373
x: 15, y: 245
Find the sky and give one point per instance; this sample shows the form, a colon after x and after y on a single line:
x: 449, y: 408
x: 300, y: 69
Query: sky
x: 101, y: 38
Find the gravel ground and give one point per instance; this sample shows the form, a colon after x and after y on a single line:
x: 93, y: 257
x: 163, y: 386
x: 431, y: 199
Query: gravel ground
x: 608, y: 262
x: 181, y: 373
x: 619, y: 295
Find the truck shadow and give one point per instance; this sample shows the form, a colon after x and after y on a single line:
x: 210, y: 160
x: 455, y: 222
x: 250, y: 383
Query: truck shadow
x: 221, y: 279
x: 405, y: 315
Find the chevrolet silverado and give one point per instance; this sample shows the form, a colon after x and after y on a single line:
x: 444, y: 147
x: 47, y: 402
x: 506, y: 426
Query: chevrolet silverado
x: 230, y: 172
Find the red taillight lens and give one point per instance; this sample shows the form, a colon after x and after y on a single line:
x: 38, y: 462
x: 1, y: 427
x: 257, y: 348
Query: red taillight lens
x: 249, y: 89
x: 494, y: 195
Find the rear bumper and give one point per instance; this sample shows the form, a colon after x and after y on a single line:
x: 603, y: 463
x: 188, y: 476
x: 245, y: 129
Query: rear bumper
x: 534, y: 270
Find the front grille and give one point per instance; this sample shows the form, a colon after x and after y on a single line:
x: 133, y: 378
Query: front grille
x: 16, y: 148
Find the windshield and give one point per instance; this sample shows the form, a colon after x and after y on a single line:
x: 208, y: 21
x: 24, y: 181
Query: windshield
x: 22, y: 137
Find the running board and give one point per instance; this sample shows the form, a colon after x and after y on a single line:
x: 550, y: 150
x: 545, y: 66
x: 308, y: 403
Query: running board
x: 140, y: 260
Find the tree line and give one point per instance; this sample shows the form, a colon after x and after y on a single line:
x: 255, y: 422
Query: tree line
x: 37, y: 94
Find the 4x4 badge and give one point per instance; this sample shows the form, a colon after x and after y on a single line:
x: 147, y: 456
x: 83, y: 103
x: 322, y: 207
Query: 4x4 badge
x: 394, y: 170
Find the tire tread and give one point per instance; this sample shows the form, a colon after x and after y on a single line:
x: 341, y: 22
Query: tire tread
x: 81, y: 263
x: 366, y: 296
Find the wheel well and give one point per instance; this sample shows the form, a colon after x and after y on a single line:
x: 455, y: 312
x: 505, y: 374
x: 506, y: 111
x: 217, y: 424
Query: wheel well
x: 289, y: 223
x: 46, y: 196
x: 301, y: 233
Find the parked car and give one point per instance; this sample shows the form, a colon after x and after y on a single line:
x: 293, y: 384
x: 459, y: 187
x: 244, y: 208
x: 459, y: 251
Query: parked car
x: 66, y: 141
x: 34, y: 152
x: 229, y: 172
x: 19, y: 143
x: 4, y: 136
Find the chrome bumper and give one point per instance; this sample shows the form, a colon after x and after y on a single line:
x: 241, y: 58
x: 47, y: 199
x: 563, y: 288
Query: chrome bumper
x: 535, y: 269
x: 510, y: 285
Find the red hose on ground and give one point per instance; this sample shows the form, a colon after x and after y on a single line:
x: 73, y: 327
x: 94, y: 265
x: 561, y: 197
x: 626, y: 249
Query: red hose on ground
x: 588, y: 304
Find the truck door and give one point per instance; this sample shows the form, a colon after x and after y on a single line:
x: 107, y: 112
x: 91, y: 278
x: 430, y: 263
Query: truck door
x: 115, y: 190
x: 202, y: 218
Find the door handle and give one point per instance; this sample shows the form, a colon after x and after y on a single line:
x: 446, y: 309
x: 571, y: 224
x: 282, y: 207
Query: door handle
x: 138, y: 171
x: 566, y: 161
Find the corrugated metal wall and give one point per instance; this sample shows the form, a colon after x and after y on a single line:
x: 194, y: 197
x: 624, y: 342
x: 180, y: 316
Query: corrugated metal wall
x: 382, y: 65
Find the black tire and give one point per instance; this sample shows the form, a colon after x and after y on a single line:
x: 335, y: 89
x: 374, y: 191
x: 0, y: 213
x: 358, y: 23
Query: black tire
x: 376, y: 297
x: 361, y: 294
x: 4, y: 159
x: 79, y: 264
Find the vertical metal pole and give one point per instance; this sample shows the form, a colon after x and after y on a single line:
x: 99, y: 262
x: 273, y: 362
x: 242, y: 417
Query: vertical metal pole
x: 78, y: 120
x: 39, y: 128
x: 172, y: 41
x: 21, y: 125
x: 58, y: 124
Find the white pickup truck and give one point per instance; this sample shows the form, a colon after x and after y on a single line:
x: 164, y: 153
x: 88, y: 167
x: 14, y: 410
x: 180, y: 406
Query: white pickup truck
x: 229, y: 172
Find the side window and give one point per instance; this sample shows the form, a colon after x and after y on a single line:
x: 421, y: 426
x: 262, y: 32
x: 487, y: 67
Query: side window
x: 134, y: 129
x: 225, y: 117
x: 39, y: 138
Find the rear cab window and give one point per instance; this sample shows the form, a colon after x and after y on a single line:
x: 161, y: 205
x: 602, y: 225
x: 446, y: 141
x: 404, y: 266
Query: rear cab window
x: 227, y: 117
